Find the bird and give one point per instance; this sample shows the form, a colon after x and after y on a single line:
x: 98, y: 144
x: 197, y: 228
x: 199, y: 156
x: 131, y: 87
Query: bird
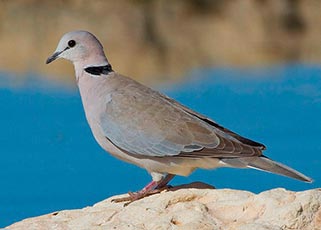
x: 142, y: 126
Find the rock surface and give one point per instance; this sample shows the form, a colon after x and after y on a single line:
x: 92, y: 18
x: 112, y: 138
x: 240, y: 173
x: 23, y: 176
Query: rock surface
x: 193, y: 208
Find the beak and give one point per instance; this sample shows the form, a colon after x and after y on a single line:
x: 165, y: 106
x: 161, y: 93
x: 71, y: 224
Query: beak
x: 53, y: 57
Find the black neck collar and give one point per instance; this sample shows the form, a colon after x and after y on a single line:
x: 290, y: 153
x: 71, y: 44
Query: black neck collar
x: 98, y: 70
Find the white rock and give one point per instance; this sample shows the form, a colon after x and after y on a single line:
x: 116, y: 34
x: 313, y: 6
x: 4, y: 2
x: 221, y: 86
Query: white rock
x: 193, y: 208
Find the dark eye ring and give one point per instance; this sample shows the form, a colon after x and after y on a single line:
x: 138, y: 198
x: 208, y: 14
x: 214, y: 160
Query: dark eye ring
x: 71, y: 43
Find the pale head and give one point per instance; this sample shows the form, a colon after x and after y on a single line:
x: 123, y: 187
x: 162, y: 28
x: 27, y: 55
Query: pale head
x: 80, y: 47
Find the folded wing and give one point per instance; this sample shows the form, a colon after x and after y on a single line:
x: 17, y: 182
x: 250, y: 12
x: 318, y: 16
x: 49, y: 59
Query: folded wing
x: 141, y: 121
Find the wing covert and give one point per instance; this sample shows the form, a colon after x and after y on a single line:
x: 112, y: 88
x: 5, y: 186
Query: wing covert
x: 141, y: 121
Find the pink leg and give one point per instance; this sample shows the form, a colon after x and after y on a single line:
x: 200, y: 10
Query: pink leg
x: 150, y: 189
x: 163, y: 183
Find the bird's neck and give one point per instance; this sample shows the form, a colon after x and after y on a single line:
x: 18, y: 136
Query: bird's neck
x: 81, y: 66
x: 99, y: 70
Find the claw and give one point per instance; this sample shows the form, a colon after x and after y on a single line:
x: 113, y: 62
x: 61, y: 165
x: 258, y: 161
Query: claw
x: 133, y: 196
x: 152, y: 188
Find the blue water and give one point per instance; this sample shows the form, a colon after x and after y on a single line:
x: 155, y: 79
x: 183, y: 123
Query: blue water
x: 50, y: 161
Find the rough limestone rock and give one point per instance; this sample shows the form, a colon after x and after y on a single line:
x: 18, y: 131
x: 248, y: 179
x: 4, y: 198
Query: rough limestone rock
x: 193, y: 208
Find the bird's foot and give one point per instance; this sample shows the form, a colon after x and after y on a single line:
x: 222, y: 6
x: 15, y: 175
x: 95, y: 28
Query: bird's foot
x: 133, y: 196
x: 152, y: 188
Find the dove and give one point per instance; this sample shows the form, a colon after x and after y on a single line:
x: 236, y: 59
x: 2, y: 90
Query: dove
x: 139, y: 125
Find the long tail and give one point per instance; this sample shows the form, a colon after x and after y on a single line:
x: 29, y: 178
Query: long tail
x: 265, y: 164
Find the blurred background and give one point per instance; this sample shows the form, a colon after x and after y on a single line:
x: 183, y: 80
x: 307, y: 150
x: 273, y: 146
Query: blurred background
x: 251, y: 65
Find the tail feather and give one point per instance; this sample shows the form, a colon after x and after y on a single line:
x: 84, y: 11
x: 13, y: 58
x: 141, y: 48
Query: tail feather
x: 266, y: 164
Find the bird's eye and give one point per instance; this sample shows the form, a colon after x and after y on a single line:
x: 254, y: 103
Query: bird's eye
x: 71, y: 43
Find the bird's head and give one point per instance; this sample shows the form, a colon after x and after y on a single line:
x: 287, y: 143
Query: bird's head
x: 79, y: 47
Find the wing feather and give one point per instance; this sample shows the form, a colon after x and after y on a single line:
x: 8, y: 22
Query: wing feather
x: 141, y: 121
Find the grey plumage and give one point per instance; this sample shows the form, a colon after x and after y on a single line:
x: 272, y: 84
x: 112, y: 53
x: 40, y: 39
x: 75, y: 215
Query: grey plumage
x: 149, y: 129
